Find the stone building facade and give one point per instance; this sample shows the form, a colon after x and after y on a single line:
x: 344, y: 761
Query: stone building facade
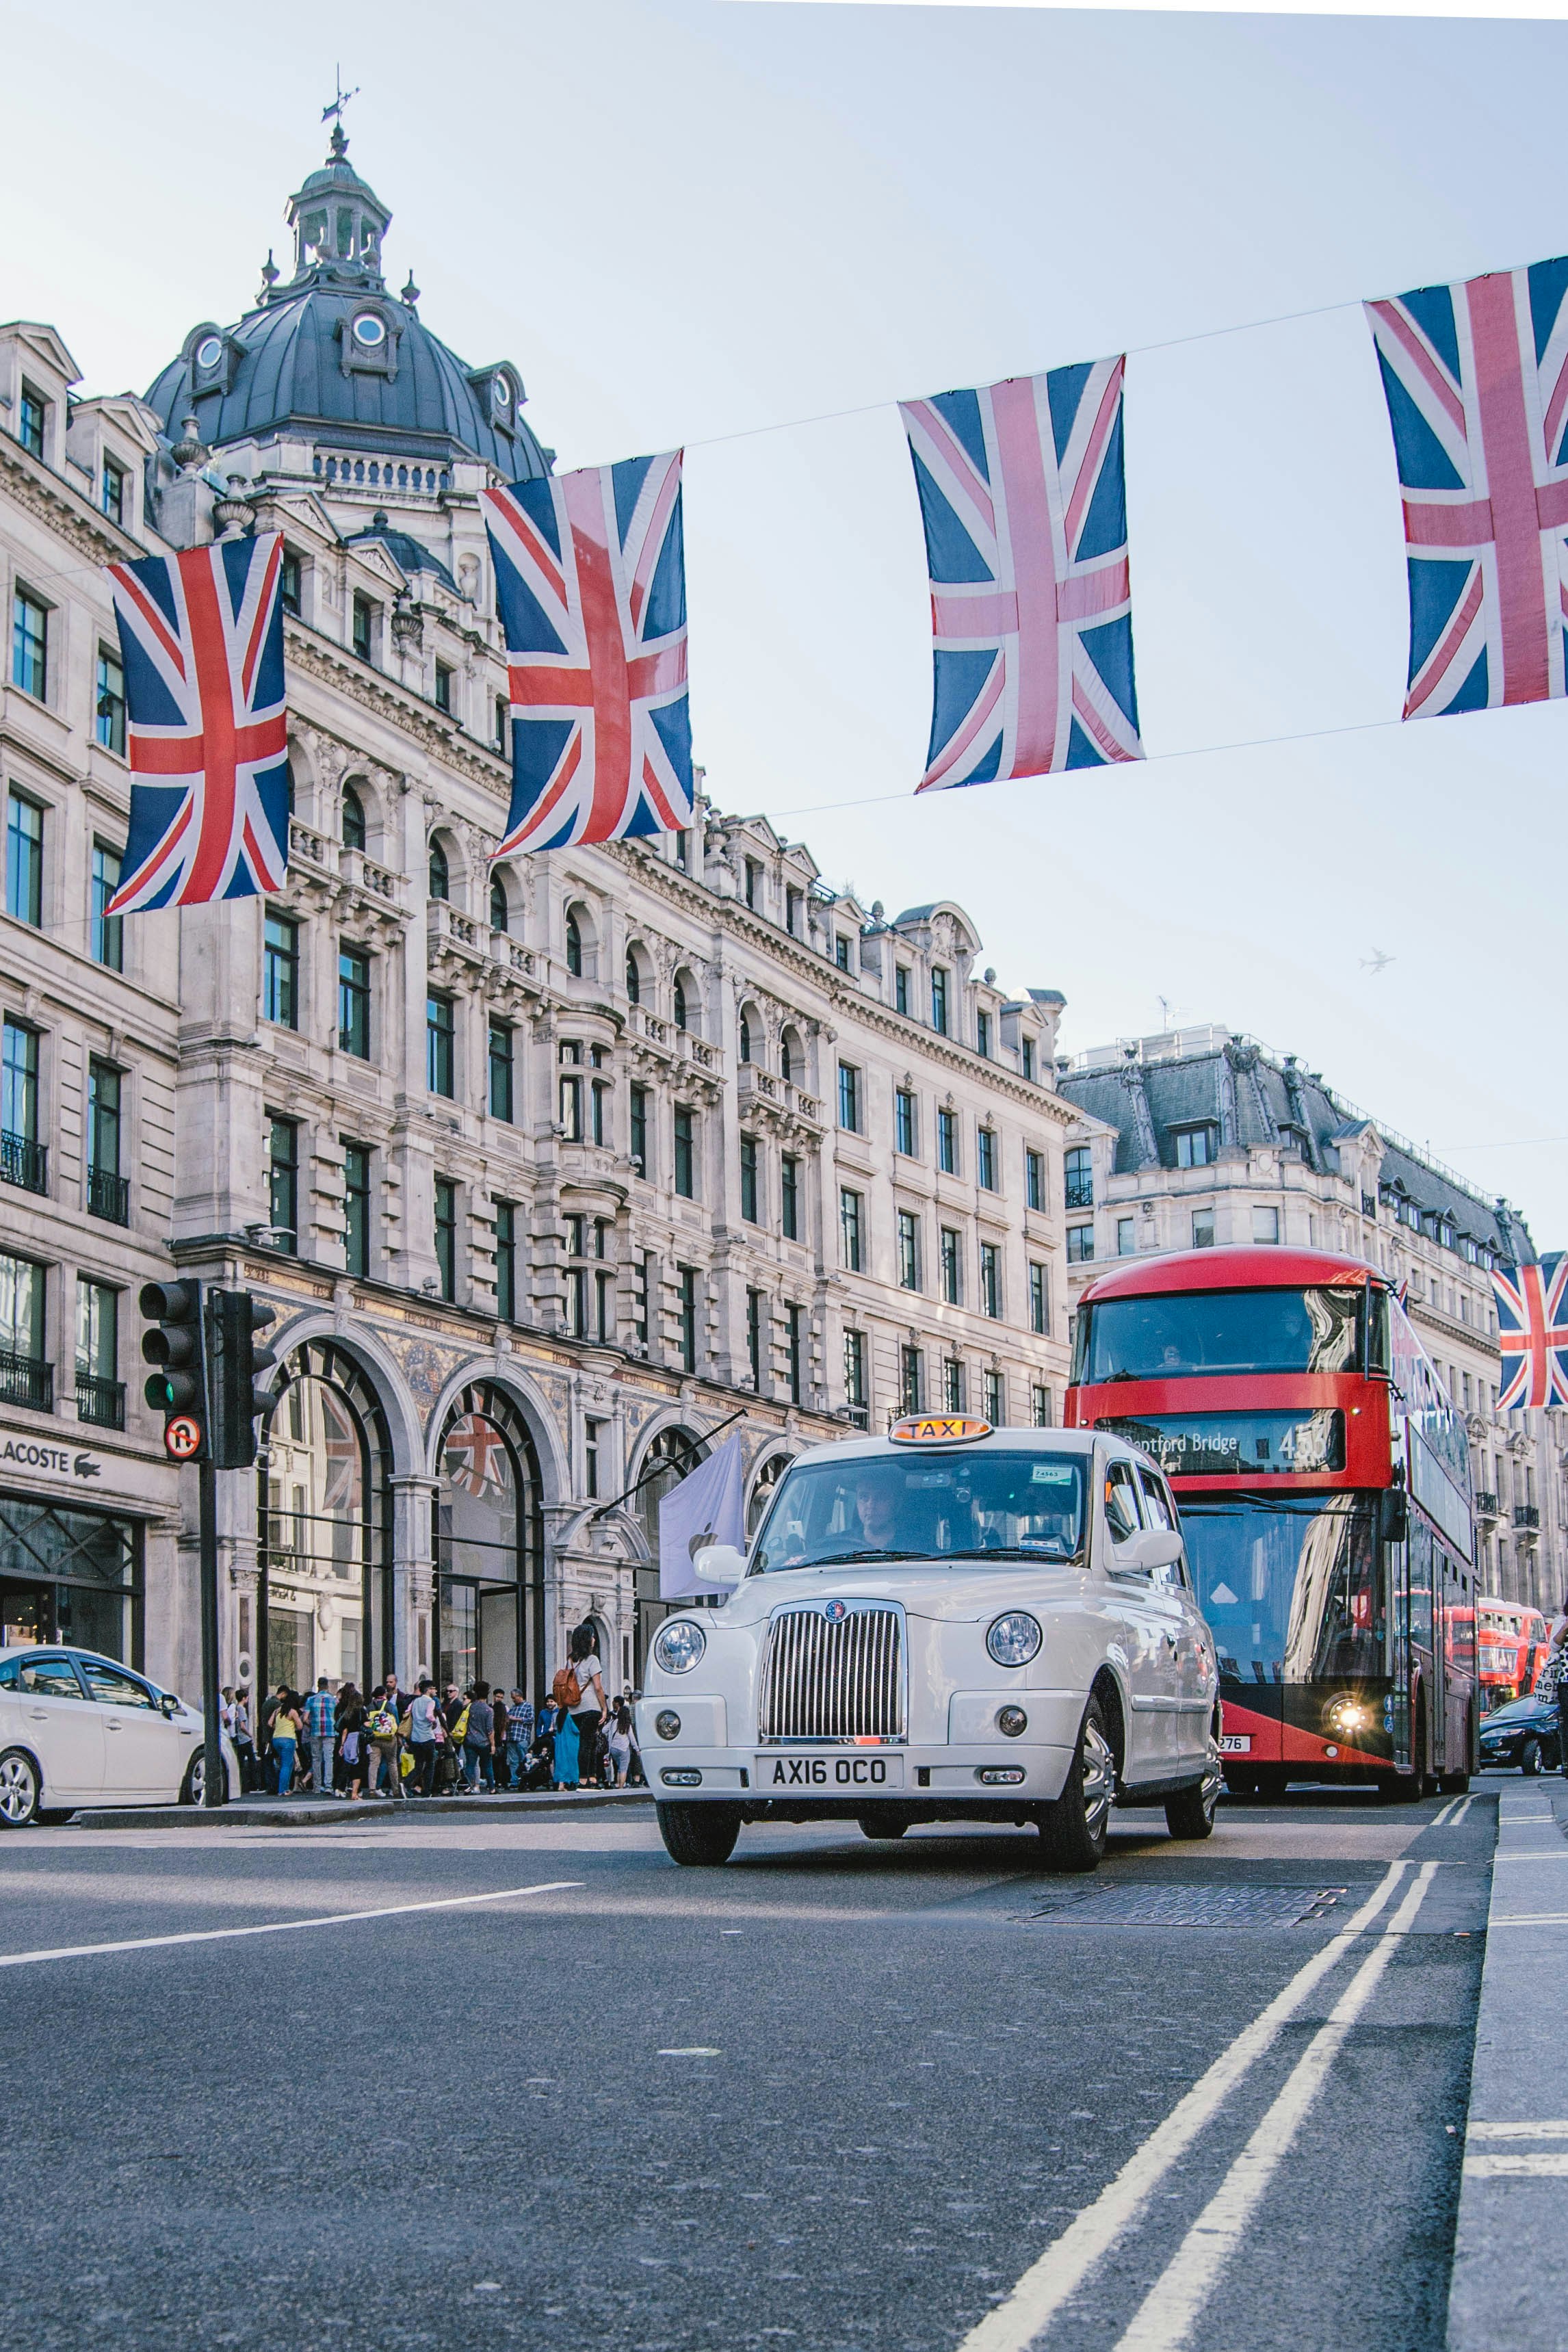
x: 1198, y: 1136
x: 554, y: 1171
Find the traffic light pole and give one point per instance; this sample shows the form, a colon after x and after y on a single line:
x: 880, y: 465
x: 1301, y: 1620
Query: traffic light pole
x: 215, y: 1789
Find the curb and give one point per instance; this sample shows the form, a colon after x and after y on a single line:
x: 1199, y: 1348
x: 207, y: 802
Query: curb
x: 284, y: 1813
x: 1510, y: 2258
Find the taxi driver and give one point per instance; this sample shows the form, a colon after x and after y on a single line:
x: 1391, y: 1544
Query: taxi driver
x: 876, y: 1511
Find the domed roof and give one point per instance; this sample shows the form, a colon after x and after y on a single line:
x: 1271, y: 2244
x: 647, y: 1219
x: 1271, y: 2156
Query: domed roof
x: 332, y: 352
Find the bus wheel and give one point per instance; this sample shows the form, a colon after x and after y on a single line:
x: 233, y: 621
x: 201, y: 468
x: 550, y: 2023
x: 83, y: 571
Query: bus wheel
x: 1529, y: 1759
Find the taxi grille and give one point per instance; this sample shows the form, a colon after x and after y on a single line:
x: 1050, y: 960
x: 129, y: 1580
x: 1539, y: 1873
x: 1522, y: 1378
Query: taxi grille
x: 827, y: 1681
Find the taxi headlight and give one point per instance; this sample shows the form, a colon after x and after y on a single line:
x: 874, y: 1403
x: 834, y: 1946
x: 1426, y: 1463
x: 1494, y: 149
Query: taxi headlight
x: 678, y: 1645
x: 1015, y: 1639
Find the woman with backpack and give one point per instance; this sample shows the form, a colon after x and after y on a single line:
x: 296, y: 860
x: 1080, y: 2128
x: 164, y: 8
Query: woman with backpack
x: 587, y: 1709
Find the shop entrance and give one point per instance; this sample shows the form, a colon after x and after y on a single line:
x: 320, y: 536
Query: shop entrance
x: 489, y: 1547
x: 69, y: 1576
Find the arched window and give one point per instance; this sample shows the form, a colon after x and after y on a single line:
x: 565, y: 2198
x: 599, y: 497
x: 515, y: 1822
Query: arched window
x: 573, y: 944
x: 500, y: 914
x: 489, y: 1547
x: 353, y: 819
x: 633, y: 977
x: 440, y: 872
x: 326, y: 1558
x: 746, y: 1038
x: 681, y: 1003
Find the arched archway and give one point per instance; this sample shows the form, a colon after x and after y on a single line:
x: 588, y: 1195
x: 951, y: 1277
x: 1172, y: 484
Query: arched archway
x: 325, y: 1557
x: 490, y: 1546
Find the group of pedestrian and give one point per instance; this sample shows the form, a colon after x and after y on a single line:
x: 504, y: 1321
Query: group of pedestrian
x: 427, y: 1742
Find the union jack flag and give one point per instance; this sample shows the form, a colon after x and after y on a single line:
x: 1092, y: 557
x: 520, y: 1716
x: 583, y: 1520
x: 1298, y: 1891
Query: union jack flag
x: 1476, y: 377
x: 200, y: 637
x: 1532, y: 1332
x: 1022, y: 491
x: 476, y: 1455
x: 591, y: 580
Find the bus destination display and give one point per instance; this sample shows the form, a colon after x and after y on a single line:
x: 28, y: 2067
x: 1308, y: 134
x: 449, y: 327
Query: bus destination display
x: 1298, y: 1442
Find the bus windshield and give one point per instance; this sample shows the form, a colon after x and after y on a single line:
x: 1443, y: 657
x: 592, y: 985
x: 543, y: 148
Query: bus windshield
x: 1210, y: 1332
x: 977, y: 1508
x: 1290, y: 1584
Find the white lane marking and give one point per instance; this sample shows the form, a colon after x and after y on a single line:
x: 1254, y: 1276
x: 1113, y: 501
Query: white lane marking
x: 1067, y: 2261
x: 1531, y: 1920
x: 1516, y: 2168
x: 1555, y: 2130
x: 279, y: 1926
x: 1165, y: 2318
x: 690, y: 2054
x: 1547, y: 1853
x: 1442, y: 1813
x: 1465, y: 1804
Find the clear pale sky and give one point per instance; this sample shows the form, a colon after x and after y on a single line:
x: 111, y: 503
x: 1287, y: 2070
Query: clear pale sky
x: 689, y: 219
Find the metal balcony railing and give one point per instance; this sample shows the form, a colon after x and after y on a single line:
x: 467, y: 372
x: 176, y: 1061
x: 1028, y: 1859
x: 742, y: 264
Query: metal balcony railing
x: 25, y: 1380
x: 1527, y: 1515
x: 99, y: 1401
x: 109, y: 1196
x: 24, y: 1163
x: 1486, y: 1505
x: 1080, y: 1192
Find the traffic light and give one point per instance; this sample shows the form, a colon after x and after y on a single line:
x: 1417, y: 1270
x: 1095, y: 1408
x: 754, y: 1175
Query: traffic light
x: 237, y: 1361
x: 177, y: 1389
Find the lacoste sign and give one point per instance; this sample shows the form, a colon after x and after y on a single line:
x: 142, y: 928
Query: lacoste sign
x: 19, y: 1452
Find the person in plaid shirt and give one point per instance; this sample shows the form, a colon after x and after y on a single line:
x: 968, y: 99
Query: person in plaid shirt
x: 320, y: 1727
x: 519, y: 1737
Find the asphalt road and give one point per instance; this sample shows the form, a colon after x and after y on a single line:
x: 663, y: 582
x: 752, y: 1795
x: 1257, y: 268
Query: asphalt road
x: 838, y: 2095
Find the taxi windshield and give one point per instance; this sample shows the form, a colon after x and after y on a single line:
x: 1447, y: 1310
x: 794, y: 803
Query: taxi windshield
x: 978, y: 1508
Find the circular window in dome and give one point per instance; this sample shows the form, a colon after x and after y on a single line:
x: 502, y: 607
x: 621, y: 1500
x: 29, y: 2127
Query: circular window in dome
x: 503, y: 393
x: 209, y: 351
x: 369, y: 329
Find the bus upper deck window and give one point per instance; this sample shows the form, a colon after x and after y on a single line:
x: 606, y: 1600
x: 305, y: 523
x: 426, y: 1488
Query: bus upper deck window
x: 1379, y: 1363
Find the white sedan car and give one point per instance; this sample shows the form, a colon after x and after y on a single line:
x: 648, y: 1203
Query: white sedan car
x: 80, y: 1729
x: 951, y: 1623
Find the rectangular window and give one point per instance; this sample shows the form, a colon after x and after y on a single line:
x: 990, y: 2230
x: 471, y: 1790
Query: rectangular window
x: 108, y: 940
x: 1040, y: 1406
x: 283, y: 1181
x: 953, y: 1385
x: 754, y: 1338
x: 908, y: 1251
x: 990, y: 1280
x: 20, y: 1115
x: 598, y: 1123
x: 1203, y: 1229
x: 687, y: 1274
x: 591, y: 1430
x: 851, y: 1214
x: 754, y: 883
x: 570, y: 1108
x: 849, y: 1098
x: 1266, y: 1224
x: 642, y: 1291
x: 281, y: 971
x: 795, y: 1318
x: 106, y: 1190
x: 685, y: 1151
x: 1028, y: 1055
x: 443, y: 688
x: 855, y: 1394
x: 605, y: 1308
x: 440, y: 1059
x: 683, y: 851
x: 363, y: 627
x: 793, y: 901
x: 1080, y: 1245
x: 25, y: 860
x: 25, y: 1377
x: 749, y: 1179
x: 1194, y: 1147
x: 109, y: 708
x: 99, y: 1393
x: 841, y: 951
x: 904, y: 1123
x: 500, y: 1065
x: 1126, y: 1236
x: 446, y: 1235
x: 576, y: 1236
x: 357, y: 1209
x: 1035, y: 1179
x: 497, y: 731
x: 638, y: 1123
x: 1078, y: 1174
x: 112, y: 493
x: 911, y: 1382
x: 952, y: 1265
x: 789, y: 1196
x: 997, y: 1400
x: 289, y: 582
x: 577, y: 1301
x: 1039, y: 1297
x: 985, y: 1158
x: 34, y: 409
x: 353, y: 1003
x: 901, y: 988
x: 939, y: 1002
x: 983, y: 1034
x: 947, y: 1142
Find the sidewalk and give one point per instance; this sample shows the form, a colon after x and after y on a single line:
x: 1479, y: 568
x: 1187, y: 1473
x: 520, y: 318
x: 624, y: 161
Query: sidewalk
x: 1510, y: 2289
x: 335, y: 1812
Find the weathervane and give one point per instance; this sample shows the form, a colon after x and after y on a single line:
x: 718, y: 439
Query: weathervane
x: 339, y: 101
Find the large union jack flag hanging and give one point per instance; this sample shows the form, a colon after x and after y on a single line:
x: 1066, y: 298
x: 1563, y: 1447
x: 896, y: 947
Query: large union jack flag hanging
x: 1022, y: 492
x: 475, y: 1457
x: 1476, y: 377
x: 200, y: 637
x: 1532, y: 1332
x: 591, y: 580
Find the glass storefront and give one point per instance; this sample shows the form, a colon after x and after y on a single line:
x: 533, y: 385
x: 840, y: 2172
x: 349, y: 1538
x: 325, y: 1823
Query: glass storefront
x: 489, y: 1547
x: 326, y: 1553
x: 70, y: 1576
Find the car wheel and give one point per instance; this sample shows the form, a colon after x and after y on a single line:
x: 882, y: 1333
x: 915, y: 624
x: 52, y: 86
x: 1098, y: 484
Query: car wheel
x: 195, y: 1790
x: 1074, y: 1830
x: 699, y: 1837
x: 1191, y: 1814
x: 878, y: 1825
x: 1529, y: 1759
x: 20, y: 1790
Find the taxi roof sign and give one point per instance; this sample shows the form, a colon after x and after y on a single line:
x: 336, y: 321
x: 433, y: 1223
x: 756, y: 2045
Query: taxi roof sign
x: 938, y: 1428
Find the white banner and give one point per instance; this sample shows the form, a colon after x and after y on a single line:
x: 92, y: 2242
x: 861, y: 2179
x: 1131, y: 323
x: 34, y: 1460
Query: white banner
x: 707, y: 1507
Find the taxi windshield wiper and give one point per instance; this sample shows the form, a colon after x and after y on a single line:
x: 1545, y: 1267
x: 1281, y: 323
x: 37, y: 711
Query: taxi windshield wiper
x: 1009, y: 1551
x: 851, y: 1558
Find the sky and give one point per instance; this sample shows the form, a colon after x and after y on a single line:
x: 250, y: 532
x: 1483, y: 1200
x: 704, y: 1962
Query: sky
x: 708, y: 221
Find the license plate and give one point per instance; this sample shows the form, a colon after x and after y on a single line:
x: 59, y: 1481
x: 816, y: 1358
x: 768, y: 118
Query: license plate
x: 1235, y: 1743
x: 830, y: 1774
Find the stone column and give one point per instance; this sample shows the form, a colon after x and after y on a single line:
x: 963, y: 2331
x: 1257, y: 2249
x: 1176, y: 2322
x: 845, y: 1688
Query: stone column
x: 413, y: 1578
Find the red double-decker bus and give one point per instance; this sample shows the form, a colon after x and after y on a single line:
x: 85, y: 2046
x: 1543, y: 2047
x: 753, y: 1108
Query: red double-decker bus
x: 1324, y: 1486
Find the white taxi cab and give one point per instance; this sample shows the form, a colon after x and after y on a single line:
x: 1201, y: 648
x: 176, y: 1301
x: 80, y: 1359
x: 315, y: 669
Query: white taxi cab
x: 80, y: 1729
x: 954, y: 1623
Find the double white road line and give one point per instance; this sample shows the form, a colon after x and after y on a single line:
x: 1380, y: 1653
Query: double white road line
x: 1165, y: 2318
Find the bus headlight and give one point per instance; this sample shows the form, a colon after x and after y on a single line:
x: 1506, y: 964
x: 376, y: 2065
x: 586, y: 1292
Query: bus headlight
x: 678, y: 1645
x: 1347, y: 1714
x: 1015, y: 1639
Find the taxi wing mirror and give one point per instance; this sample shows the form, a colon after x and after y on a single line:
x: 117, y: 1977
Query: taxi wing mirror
x: 1151, y: 1547
x: 718, y: 1567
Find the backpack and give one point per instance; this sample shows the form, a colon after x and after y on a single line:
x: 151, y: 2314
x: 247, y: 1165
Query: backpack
x: 383, y: 1725
x: 566, y: 1690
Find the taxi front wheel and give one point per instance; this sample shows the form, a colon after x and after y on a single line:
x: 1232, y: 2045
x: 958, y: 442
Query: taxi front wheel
x: 1073, y: 1831
x: 698, y: 1836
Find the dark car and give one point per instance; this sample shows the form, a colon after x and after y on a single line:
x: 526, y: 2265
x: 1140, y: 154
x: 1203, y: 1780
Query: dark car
x: 1524, y: 1732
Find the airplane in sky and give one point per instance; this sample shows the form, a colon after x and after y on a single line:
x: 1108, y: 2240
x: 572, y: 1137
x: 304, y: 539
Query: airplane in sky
x: 1377, y: 961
